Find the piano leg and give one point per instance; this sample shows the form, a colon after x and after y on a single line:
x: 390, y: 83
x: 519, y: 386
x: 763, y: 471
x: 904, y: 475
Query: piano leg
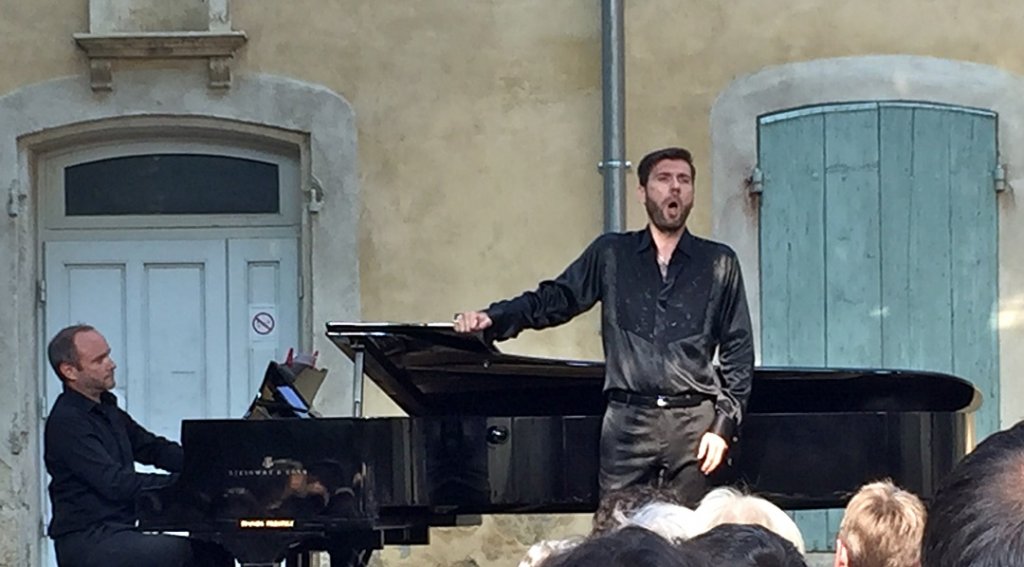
x: 350, y: 557
x: 299, y: 559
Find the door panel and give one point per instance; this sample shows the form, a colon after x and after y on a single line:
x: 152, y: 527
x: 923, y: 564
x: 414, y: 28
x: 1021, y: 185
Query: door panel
x: 793, y: 236
x: 263, y: 279
x: 852, y: 271
x: 893, y: 206
x: 183, y: 343
x: 93, y: 292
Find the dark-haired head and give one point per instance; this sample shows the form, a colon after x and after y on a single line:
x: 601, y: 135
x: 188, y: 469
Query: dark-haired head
x: 747, y: 545
x: 647, y: 163
x: 977, y: 515
x: 629, y: 547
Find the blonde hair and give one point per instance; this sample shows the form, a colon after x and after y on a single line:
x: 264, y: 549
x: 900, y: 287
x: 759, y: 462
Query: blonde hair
x: 882, y: 527
x: 727, y: 505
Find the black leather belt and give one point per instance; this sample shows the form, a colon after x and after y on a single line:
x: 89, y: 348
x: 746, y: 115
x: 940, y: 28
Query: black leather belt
x: 654, y: 401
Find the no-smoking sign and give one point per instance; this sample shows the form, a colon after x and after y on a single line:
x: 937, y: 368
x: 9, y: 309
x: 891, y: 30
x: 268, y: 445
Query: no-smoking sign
x: 262, y: 322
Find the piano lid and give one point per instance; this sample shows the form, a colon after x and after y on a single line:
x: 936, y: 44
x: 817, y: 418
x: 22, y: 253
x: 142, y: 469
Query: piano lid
x: 429, y: 369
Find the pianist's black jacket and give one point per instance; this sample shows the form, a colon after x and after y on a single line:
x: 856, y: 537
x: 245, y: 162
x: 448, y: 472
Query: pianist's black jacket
x: 90, y: 449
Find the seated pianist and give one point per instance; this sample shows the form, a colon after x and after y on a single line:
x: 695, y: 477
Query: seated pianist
x: 90, y: 447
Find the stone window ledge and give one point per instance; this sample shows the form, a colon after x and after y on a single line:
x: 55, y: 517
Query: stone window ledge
x: 217, y: 47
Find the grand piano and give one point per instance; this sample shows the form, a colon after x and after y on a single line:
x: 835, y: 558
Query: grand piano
x: 489, y: 432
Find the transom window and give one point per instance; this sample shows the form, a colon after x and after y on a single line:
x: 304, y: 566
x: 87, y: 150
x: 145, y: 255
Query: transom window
x: 171, y: 184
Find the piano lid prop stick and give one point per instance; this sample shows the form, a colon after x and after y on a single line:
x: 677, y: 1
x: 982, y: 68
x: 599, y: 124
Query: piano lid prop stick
x: 357, y: 380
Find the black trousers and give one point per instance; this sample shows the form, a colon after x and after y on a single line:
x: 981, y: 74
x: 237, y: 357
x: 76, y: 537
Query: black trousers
x: 657, y: 446
x: 108, y: 546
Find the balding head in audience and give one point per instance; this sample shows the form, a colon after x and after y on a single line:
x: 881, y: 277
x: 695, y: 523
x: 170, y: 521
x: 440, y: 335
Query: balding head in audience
x: 623, y: 503
x: 673, y: 522
x: 977, y: 515
x: 730, y: 506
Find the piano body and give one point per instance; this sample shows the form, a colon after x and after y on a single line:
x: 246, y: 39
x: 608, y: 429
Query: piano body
x: 494, y: 433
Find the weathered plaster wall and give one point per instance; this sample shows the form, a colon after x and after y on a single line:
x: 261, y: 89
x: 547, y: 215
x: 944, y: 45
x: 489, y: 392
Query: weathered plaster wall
x: 479, y: 135
x: 35, y: 39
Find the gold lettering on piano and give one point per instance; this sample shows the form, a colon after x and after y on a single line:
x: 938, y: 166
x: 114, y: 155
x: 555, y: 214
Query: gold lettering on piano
x: 265, y: 473
x: 273, y: 523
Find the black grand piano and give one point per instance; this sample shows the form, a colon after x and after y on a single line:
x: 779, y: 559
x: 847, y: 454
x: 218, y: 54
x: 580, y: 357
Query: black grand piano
x: 496, y: 433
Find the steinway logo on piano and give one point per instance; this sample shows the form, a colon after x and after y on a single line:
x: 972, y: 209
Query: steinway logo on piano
x: 271, y: 467
x: 273, y: 523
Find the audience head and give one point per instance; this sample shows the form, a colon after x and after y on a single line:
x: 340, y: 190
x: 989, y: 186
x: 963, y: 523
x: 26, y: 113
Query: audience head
x: 540, y: 551
x: 747, y: 545
x: 629, y: 547
x: 616, y: 504
x: 671, y: 521
x: 881, y: 527
x: 726, y: 505
x: 977, y: 515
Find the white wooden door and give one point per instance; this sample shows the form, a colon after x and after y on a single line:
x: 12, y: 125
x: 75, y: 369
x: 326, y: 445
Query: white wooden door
x: 187, y: 321
x: 162, y: 306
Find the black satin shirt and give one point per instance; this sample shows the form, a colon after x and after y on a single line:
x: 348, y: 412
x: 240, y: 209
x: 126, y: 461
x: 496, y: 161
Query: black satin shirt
x: 90, y: 450
x: 660, y: 335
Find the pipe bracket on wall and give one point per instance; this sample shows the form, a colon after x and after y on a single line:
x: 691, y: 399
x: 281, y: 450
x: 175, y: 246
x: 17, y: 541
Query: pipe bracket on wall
x: 614, y: 164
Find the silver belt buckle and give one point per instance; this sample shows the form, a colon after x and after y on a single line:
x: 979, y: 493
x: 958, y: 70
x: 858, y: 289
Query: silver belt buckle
x: 661, y: 402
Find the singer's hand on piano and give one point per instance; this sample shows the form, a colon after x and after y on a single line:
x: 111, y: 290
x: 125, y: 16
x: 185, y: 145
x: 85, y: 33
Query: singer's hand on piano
x: 471, y: 321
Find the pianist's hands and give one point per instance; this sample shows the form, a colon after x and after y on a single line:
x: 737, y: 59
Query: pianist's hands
x: 711, y: 452
x: 471, y: 321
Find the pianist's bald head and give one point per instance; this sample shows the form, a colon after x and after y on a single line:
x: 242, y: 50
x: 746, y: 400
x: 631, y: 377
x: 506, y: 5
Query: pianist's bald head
x: 62, y: 348
x: 977, y: 516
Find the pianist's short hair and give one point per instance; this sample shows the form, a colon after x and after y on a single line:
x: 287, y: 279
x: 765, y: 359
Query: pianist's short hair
x: 882, y: 527
x: 977, y: 515
x: 62, y: 348
x: 629, y: 547
x: 643, y: 171
x: 743, y: 545
x: 727, y: 505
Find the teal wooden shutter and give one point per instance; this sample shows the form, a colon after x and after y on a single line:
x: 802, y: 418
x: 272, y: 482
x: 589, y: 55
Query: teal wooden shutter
x: 878, y: 247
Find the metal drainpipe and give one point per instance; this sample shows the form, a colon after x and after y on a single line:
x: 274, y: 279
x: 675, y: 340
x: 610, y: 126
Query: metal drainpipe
x: 613, y: 165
